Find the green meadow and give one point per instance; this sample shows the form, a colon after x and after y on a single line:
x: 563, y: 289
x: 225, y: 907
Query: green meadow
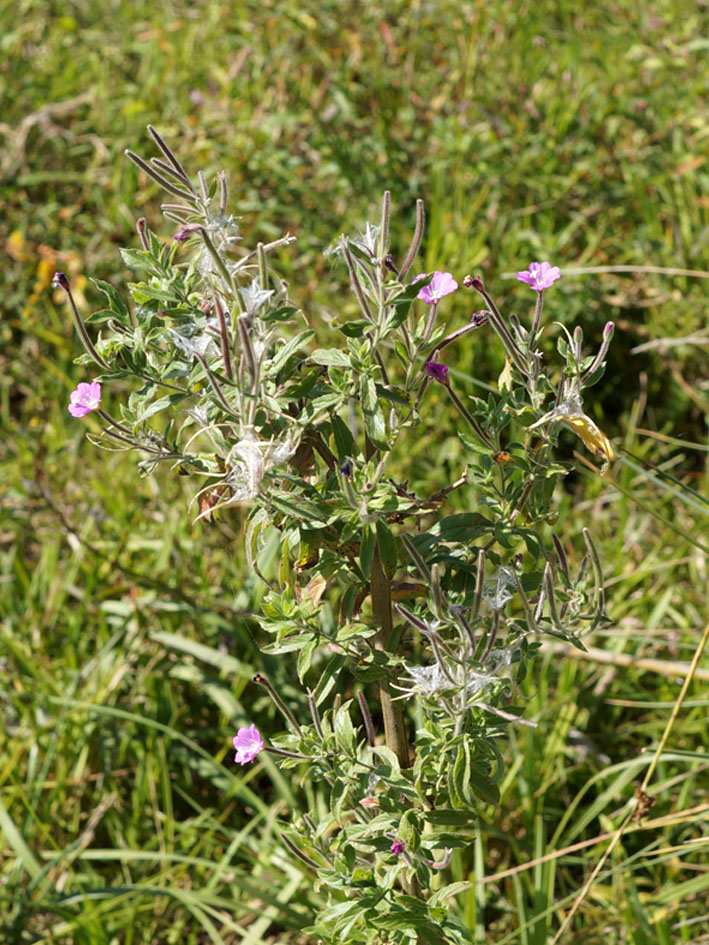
x: 560, y: 131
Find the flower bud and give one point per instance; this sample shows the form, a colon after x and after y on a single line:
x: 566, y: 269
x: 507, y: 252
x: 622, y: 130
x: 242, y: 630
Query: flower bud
x: 474, y: 282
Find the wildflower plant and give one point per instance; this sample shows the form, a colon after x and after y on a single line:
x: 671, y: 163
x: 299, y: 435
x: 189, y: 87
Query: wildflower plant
x: 382, y: 596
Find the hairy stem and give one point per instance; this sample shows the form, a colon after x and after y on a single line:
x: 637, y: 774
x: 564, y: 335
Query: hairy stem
x: 394, y: 725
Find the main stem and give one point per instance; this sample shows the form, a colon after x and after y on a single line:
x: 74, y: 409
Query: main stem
x: 394, y: 725
x: 380, y: 595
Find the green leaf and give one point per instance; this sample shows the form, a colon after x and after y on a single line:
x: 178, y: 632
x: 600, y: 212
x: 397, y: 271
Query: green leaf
x: 387, y: 548
x: 331, y: 357
x: 139, y: 259
x: 145, y: 411
x: 115, y: 302
x: 103, y: 315
x: 344, y: 442
x: 450, y: 818
x: 463, y: 527
x: 143, y: 292
x: 344, y: 731
x: 355, y: 328
x: 305, y: 657
x: 472, y: 444
x: 366, y: 548
x: 284, y: 354
x: 372, y: 413
x: 279, y: 314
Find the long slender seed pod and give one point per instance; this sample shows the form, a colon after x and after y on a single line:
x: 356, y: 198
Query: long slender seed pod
x: 215, y: 386
x: 223, y: 193
x: 165, y: 168
x: 597, y: 576
x: 459, y: 617
x: 367, y: 718
x: 539, y: 609
x: 492, y: 637
x: 532, y: 337
x: 203, y: 186
x: 433, y: 637
x: 170, y: 156
x: 468, y: 416
x: 498, y: 323
x: 561, y: 555
x: 249, y: 354
x: 299, y: 853
x: 159, y: 178
x: 211, y: 249
x: 262, y: 265
x: 114, y: 423
x: 140, y: 227
x: 261, y: 680
x: 602, y: 352
x: 549, y: 590
x: 531, y: 622
x: 411, y: 618
x: 356, y: 284
x: 506, y: 715
x: 315, y: 715
x: 479, y: 586
x: 436, y: 590
x: 417, y: 559
x: 287, y: 754
x: 61, y: 280
x: 224, y: 338
x: 383, y: 242
x: 415, y: 242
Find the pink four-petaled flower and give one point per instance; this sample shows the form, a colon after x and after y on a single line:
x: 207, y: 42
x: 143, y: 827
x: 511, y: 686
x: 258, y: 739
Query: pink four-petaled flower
x: 248, y: 743
x: 398, y: 847
x: 442, y: 284
x: 540, y: 275
x: 84, y: 399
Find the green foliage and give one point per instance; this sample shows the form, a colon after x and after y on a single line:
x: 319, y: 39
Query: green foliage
x: 585, y: 146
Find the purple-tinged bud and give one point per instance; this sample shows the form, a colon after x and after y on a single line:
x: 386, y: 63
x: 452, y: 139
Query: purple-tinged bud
x: 437, y: 371
x: 185, y: 231
x: 60, y: 279
x: 474, y: 282
x: 346, y: 468
x: 140, y: 226
x: 479, y: 318
x: 398, y: 847
x: 389, y: 264
x: 608, y: 330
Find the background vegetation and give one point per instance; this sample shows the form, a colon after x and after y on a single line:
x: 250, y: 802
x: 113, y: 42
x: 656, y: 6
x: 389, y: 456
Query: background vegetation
x: 553, y: 130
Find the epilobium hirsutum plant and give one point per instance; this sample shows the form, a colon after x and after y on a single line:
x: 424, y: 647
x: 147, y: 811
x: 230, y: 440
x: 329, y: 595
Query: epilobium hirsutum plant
x: 384, y: 596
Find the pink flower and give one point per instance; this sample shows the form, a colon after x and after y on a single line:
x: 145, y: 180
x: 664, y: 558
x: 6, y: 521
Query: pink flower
x: 437, y: 371
x: 248, y: 744
x: 398, y: 847
x: 442, y: 284
x: 84, y: 399
x: 540, y: 275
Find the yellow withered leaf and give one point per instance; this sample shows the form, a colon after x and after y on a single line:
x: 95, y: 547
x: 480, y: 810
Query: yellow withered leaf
x: 594, y: 439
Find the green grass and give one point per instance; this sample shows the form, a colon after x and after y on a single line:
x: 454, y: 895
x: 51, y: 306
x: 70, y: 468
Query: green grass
x: 576, y: 134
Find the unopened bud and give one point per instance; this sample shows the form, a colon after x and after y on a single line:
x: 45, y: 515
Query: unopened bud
x: 437, y: 371
x: 474, y: 282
